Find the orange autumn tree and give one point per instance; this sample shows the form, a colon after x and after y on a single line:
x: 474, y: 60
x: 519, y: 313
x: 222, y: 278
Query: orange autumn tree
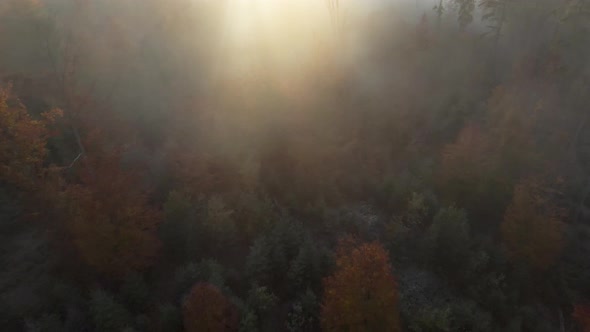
x: 107, y: 213
x: 532, y: 228
x: 23, y: 141
x: 206, y: 309
x: 362, y: 294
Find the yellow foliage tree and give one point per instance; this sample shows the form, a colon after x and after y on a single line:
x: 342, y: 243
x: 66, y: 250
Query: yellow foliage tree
x: 22, y: 142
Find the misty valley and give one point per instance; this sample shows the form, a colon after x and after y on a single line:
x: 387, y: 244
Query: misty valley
x: 298, y: 166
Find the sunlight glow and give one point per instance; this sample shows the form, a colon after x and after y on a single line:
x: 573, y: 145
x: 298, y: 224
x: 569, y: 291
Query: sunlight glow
x: 275, y: 30
x: 281, y: 42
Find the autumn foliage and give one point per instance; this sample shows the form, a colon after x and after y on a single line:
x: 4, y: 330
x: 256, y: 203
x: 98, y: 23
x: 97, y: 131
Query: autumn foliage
x: 210, y: 154
x: 102, y: 206
x: 206, y: 309
x: 23, y: 141
x: 108, y: 216
x: 362, y: 294
x: 532, y: 228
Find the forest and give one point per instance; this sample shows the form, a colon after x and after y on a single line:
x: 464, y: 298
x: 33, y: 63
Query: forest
x: 280, y: 165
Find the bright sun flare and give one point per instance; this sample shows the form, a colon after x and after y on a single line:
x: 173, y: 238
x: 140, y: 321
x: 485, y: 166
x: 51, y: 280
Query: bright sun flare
x: 281, y: 31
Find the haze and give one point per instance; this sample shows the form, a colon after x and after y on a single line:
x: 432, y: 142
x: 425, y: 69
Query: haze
x: 294, y: 165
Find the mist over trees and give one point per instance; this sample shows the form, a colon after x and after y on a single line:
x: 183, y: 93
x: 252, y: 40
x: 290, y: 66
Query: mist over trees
x: 261, y: 165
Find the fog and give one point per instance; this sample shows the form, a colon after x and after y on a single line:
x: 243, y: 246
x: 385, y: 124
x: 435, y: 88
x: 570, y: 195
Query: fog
x: 294, y: 165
